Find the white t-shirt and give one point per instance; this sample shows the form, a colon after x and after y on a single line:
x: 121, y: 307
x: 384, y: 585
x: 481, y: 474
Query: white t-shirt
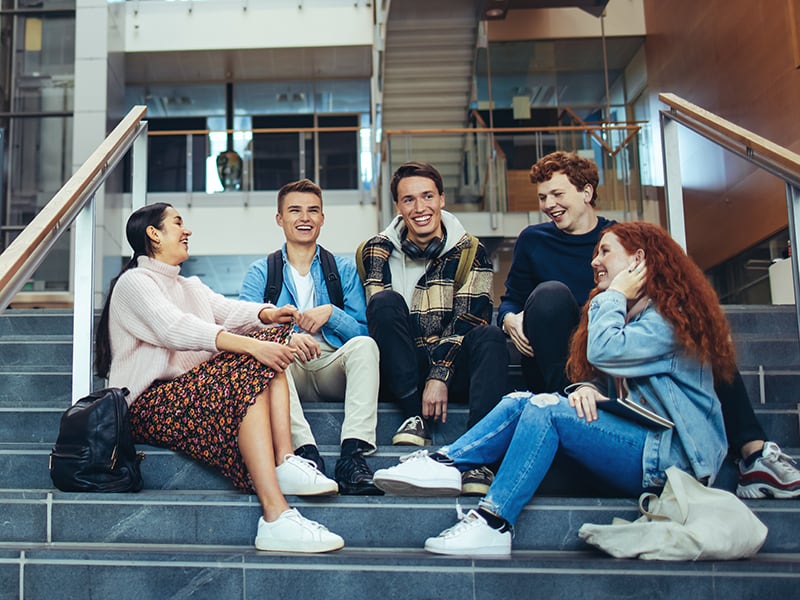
x: 304, y: 286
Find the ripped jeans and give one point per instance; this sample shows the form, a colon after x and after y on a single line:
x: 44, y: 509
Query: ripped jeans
x: 528, y: 429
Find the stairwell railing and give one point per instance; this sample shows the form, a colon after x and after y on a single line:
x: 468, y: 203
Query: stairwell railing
x: 745, y: 144
x: 74, y: 204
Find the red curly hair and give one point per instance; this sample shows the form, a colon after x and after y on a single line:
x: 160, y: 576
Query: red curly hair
x: 681, y: 294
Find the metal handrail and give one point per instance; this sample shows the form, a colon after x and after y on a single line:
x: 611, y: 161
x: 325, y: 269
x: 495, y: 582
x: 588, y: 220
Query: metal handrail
x: 74, y: 204
x: 753, y: 148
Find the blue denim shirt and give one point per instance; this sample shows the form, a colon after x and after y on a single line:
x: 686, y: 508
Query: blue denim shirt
x: 343, y: 324
x: 671, y: 382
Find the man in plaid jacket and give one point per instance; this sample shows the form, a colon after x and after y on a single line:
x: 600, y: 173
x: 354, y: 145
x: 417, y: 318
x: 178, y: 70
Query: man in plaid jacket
x: 429, y: 309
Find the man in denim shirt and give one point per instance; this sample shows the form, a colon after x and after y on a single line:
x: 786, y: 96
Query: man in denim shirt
x: 335, y: 358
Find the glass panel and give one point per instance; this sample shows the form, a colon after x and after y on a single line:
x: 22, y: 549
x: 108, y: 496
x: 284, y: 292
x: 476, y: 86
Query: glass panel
x: 338, y: 154
x: 298, y: 97
x: 276, y: 156
x: 188, y: 100
x: 44, y: 57
x: 168, y: 156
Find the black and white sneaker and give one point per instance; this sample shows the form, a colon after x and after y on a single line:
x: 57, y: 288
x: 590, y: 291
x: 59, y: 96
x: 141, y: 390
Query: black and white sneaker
x: 476, y: 482
x: 412, y: 432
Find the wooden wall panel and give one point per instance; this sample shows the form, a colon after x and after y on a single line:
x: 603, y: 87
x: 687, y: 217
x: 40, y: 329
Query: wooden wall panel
x: 736, y: 58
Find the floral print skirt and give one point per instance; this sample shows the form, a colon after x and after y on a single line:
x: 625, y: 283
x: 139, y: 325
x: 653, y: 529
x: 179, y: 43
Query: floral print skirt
x: 199, y: 412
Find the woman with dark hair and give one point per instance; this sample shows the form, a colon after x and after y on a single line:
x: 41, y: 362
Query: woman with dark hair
x: 206, y: 377
x: 655, y: 333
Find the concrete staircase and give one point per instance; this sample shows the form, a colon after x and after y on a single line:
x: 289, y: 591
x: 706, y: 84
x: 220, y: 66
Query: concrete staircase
x: 188, y: 534
x: 427, y: 82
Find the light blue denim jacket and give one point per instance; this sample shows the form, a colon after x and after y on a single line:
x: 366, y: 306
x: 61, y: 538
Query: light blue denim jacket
x: 671, y: 382
x: 343, y: 324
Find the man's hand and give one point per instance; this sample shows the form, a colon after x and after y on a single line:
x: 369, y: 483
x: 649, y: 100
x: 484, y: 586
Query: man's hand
x: 283, y: 314
x: 512, y: 323
x: 313, y: 319
x: 584, y: 400
x: 434, y: 400
x: 307, y: 348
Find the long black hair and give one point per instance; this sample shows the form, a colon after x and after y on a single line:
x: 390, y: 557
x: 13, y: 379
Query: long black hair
x: 136, y: 232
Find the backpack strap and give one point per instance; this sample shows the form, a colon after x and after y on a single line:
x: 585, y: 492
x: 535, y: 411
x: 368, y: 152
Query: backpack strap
x: 465, y: 261
x: 274, y: 277
x: 332, y: 279
x: 362, y: 270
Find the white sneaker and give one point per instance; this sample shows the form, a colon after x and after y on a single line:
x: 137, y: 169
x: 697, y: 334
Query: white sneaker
x: 471, y: 536
x: 292, y: 532
x: 419, y: 475
x: 298, y: 476
x: 772, y: 475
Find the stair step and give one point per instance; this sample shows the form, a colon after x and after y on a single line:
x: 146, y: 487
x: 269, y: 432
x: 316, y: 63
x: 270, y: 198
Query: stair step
x: 35, y: 424
x: 766, y: 320
x: 217, y: 518
x: 241, y: 572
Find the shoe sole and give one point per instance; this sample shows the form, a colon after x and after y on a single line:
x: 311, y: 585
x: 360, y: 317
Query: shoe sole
x: 492, y: 552
x: 366, y: 490
x: 409, y: 439
x: 424, y: 489
x: 269, y: 545
x: 474, y: 489
x: 756, y: 491
x: 326, y: 491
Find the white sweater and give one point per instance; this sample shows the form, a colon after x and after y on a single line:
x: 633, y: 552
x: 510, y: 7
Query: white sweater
x: 162, y: 325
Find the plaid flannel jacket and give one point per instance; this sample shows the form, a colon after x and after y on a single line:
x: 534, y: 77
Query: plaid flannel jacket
x: 443, y: 315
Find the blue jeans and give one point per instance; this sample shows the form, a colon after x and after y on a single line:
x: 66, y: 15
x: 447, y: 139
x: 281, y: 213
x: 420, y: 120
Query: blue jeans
x: 529, y: 435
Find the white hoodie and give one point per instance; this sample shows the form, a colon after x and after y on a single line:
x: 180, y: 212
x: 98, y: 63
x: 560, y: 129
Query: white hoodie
x: 406, y: 271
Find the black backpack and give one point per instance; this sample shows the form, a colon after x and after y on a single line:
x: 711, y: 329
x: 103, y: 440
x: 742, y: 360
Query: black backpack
x: 94, y: 451
x: 329, y: 271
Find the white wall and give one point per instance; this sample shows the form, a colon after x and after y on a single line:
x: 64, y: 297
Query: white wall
x: 225, y: 24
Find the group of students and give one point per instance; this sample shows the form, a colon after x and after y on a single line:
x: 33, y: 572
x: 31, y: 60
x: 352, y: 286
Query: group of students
x: 409, y: 321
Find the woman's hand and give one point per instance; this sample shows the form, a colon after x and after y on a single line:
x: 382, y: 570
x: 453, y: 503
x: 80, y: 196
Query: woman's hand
x: 277, y: 315
x: 584, y: 400
x: 307, y: 348
x: 630, y: 281
x: 272, y: 354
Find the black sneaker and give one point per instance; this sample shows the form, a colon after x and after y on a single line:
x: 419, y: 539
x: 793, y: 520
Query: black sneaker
x: 476, y: 482
x: 311, y: 452
x: 412, y: 433
x: 355, y: 477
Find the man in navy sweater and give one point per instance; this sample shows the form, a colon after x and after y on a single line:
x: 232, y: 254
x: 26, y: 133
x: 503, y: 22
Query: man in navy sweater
x: 550, y: 279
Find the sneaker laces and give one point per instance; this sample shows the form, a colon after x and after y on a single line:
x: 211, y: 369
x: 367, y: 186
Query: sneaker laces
x: 356, y: 466
x: 483, y: 472
x: 772, y: 453
x: 294, y: 515
x: 302, y: 462
x: 412, y: 423
x: 465, y: 521
x: 418, y: 455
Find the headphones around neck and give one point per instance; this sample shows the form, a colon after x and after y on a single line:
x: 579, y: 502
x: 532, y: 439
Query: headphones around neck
x: 414, y: 252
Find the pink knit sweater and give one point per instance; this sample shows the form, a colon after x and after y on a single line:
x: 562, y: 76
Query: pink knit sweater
x: 162, y: 325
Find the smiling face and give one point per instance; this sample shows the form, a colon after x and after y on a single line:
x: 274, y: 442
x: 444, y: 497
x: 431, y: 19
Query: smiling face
x: 301, y: 218
x: 611, y: 258
x: 567, y: 206
x: 420, y: 205
x: 170, y: 239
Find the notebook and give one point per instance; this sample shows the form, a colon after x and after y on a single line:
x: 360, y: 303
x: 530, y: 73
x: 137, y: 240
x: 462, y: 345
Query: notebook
x: 629, y: 409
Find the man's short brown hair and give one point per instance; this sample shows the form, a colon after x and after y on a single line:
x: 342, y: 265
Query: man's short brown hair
x: 416, y: 169
x: 579, y: 171
x: 303, y: 186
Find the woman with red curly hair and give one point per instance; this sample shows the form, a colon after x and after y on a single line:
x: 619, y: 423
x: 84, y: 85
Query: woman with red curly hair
x: 653, y: 331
